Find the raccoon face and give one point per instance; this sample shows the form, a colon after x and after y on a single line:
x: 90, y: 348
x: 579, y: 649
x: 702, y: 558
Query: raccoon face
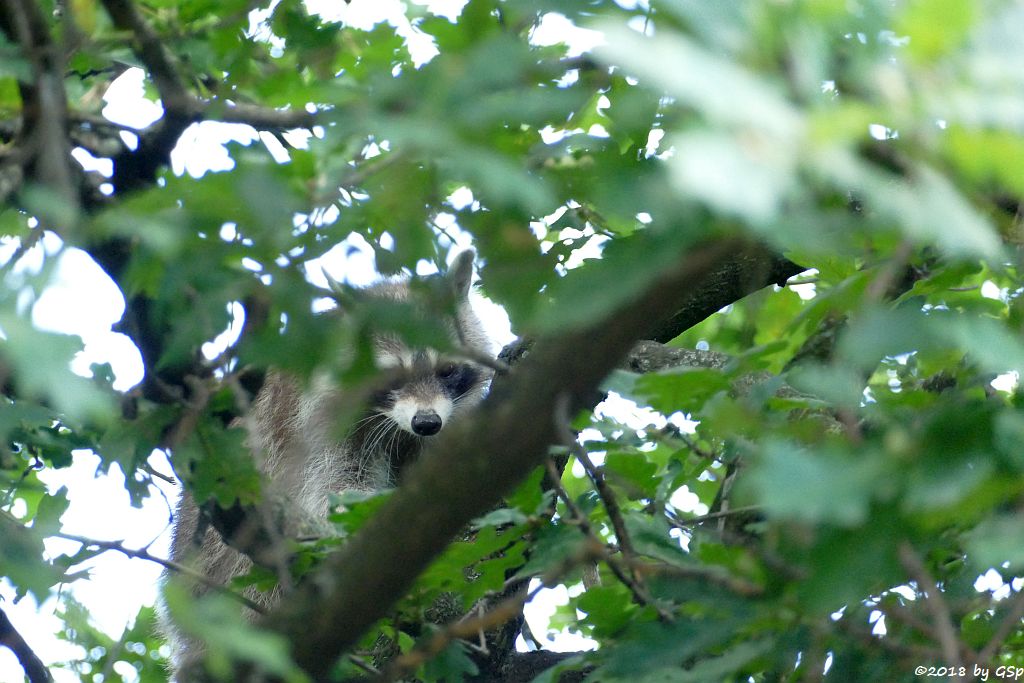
x: 432, y: 390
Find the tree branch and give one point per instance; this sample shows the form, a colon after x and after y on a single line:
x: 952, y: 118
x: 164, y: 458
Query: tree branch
x: 12, y: 640
x: 144, y: 554
x: 43, y: 142
x: 611, y: 505
x: 744, y: 273
x: 1010, y: 621
x: 471, y: 467
x: 260, y: 118
x: 149, y: 48
x: 623, y: 571
x: 936, y: 604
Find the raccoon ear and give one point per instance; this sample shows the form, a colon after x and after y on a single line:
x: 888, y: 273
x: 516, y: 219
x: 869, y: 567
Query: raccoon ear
x: 460, y: 274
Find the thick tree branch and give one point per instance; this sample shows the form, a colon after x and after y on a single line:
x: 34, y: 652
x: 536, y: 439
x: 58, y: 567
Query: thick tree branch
x: 11, y: 639
x: 471, y: 467
x: 134, y: 169
x: 744, y: 273
x: 43, y: 147
x: 149, y: 48
x: 260, y: 118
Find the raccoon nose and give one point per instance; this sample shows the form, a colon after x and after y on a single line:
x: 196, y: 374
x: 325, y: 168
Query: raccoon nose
x: 426, y: 423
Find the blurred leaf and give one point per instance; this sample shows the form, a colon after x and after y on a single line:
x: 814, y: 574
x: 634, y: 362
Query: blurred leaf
x: 794, y: 483
x: 996, y: 542
x: 935, y: 26
x: 573, y: 302
x: 216, y: 620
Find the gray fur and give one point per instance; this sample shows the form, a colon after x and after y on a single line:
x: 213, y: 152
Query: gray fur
x: 290, y: 432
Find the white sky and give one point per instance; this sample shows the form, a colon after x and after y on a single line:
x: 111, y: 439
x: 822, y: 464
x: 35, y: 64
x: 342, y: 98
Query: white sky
x: 81, y: 300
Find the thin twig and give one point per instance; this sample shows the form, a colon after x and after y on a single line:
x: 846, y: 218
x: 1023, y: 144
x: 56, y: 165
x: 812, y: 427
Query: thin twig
x: 936, y: 604
x: 151, y: 471
x: 500, y: 613
x: 697, y: 450
x: 364, y: 665
x: 640, y: 595
x: 680, y: 523
x: 611, y: 503
x: 508, y: 608
x: 144, y: 554
x: 710, y: 574
x: 1012, y: 620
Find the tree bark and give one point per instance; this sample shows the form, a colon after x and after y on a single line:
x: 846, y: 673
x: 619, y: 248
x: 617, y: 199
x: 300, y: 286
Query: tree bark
x: 475, y: 464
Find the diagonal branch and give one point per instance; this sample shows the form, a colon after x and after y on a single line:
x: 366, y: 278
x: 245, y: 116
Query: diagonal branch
x: 149, y: 48
x: 611, y: 504
x: 623, y: 571
x: 144, y: 554
x: 742, y: 274
x: 472, y: 467
x: 1011, y: 621
x: 936, y: 604
x: 30, y: 662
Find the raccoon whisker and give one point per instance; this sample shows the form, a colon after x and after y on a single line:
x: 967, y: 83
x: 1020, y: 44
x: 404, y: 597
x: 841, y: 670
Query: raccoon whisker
x: 372, y: 436
x: 465, y: 394
x: 395, y: 435
x: 385, y: 430
x: 373, y: 416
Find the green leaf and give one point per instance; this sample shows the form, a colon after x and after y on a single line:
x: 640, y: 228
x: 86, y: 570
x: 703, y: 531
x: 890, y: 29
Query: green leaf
x: 453, y: 663
x: 792, y: 482
x: 935, y: 26
x: 51, y: 508
x: 685, y: 389
x: 723, y: 91
x: 227, y: 636
x: 499, y: 517
x: 573, y: 302
x: 21, y: 560
x: 995, y: 542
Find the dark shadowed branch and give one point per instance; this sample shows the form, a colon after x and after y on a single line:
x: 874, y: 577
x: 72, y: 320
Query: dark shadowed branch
x: 42, y: 147
x: 742, y: 274
x: 32, y: 665
x: 472, y: 467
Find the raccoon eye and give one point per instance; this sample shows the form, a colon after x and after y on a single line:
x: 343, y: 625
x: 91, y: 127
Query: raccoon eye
x: 446, y: 370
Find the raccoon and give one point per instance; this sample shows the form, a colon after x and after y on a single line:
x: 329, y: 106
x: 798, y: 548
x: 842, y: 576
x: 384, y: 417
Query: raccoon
x: 292, y: 432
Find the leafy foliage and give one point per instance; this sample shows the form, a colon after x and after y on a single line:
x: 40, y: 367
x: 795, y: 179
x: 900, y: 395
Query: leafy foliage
x: 819, y: 505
